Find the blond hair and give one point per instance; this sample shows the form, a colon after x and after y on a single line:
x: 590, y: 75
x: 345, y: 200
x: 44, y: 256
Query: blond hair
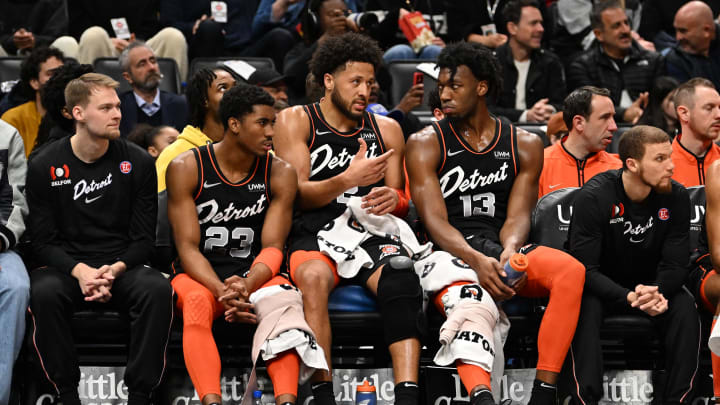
x: 77, y: 92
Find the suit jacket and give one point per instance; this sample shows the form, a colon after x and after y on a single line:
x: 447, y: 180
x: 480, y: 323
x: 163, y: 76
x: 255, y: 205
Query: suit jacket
x: 173, y: 111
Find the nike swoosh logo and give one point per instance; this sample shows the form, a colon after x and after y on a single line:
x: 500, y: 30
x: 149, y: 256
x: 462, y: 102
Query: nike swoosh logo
x: 451, y: 153
x: 554, y: 185
x: 319, y: 132
x: 636, y: 241
x: 208, y: 185
x: 542, y: 384
x: 88, y: 201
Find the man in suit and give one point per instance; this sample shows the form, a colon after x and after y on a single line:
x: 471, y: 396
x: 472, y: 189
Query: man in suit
x: 146, y: 103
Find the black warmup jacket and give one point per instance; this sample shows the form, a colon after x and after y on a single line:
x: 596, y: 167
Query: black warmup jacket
x: 623, y: 244
x: 94, y: 213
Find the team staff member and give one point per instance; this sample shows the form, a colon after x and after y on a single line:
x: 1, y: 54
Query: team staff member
x: 474, y: 182
x: 630, y: 230
x: 235, y: 254
x: 92, y: 225
x: 698, y: 108
x: 204, y: 92
x: 588, y: 112
x: 339, y: 150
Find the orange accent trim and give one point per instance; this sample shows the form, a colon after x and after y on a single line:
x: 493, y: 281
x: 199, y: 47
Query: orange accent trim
x: 488, y: 148
x: 444, y: 147
x: 362, y: 124
x: 267, y: 183
x: 513, y: 138
x: 312, y: 124
x: 298, y: 257
x: 224, y: 180
x: 37, y: 350
x: 202, y: 173
x: 703, y: 297
x: 381, y: 141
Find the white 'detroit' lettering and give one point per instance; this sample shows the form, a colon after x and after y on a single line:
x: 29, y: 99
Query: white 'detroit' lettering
x: 323, y: 156
x: 210, y: 212
x: 475, y: 180
x: 83, y: 188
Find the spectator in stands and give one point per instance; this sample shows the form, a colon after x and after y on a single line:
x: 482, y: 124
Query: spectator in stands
x: 486, y: 220
x: 616, y: 62
x: 533, y: 79
x: 14, y: 281
x: 660, y: 111
x: 146, y: 103
x: 697, y: 53
x: 657, y: 21
x: 556, y: 128
x: 286, y: 14
x: 25, y: 25
x: 345, y: 66
x: 213, y: 280
x: 92, y: 214
x: 272, y: 82
x: 630, y: 230
x: 57, y: 122
x: 697, y: 103
x: 321, y: 20
x: 204, y: 92
x: 477, y: 21
x: 703, y: 279
x: 588, y: 112
x: 402, y: 112
x: 405, y: 51
x: 35, y: 71
x: 90, y: 28
x: 153, y: 139
x: 207, y: 37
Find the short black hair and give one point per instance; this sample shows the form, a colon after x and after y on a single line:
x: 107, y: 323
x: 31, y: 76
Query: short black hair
x: 513, y: 10
x: 144, y: 135
x: 197, y: 93
x: 52, y: 94
x: 480, y: 60
x: 30, y: 67
x: 332, y: 54
x: 240, y: 100
x: 596, y: 21
x: 579, y: 102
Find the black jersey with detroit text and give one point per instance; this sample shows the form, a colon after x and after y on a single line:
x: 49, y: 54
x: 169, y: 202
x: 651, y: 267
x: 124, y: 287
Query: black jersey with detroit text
x: 231, y: 215
x: 330, y: 154
x: 476, y: 185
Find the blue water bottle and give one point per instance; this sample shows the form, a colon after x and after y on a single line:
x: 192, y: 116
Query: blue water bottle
x: 257, y: 397
x: 365, y: 394
x: 515, y: 268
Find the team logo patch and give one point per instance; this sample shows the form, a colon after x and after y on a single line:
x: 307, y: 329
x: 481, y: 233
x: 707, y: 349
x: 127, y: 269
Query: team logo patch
x: 460, y: 263
x: 664, y: 214
x: 388, y: 250
x: 125, y: 167
x: 502, y: 154
x: 473, y: 291
x: 59, y: 175
x: 617, y: 210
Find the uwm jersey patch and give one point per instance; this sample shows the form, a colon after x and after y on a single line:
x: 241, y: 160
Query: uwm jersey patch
x: 231, y: 215
x: 476, y: 185
x: 330, y: 154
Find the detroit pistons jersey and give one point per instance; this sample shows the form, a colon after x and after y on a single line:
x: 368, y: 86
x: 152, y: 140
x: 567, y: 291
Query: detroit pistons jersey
x: 476, y: 184
x: 330, y: 154
x: 231, y: 215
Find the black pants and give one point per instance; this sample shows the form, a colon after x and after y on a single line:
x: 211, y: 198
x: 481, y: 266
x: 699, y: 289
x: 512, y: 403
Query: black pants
x: 143, y: 293
x: 678, y: 327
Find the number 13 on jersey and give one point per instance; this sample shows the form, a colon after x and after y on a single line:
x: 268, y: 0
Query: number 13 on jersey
x: 478, y: 204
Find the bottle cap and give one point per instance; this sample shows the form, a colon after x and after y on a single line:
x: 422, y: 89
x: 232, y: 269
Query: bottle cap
x: 257, y: 394
x: 518, y: 261
x: 365, y: 387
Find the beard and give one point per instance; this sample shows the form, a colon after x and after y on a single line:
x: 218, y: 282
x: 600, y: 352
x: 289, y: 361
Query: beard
x: 343, y: 105
x: 661, y: 187
x: 151, y: 82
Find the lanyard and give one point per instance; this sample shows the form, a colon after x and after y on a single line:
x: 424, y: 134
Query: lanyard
x: 491, y: 10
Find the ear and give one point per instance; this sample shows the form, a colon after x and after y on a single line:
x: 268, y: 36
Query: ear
x: 482, y: 88
x: 683, y: 113
x: 234, y: 125
x: 632, y: 165
x: 329, y: 81
x: 579, y: 123
x: 152, y: 150
x: 512, y: 28
x: 65, y: 113
x: 78, y: 113
x: 599, y: 34
x: 35, y: 84
x: 126, y: 76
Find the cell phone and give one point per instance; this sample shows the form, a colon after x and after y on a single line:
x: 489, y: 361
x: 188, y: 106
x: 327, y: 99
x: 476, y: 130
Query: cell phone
x: 418, y: 78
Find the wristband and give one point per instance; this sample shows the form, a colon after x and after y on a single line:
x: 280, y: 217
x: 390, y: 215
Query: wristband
x: 401, y: 210
x: 271, y: 257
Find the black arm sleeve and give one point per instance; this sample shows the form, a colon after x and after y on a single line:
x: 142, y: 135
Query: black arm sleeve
x: 674, y: 264
x: 585, y: 237
x: 141, y: 230
x: 41, y: 220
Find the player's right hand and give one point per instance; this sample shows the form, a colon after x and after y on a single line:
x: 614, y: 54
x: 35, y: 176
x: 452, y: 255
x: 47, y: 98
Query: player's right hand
x: 364, y: 171
x: 93, y: 283
x: 488, y: 270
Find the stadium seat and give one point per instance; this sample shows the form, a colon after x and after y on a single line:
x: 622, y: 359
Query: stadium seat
x: 402, y: 72
x: 613, y: 147
x: 537, y: 129
x: 257, y: 63
x: 168, y: 67
x: 10, y: 69
x: 697, y: 214
x: 551, y: 218
x: 351, y: 298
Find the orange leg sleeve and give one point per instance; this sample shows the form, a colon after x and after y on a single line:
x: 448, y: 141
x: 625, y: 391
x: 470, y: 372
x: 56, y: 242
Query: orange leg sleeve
x: 558, y: 274
x: 199, y: 308
x: 284, y: 371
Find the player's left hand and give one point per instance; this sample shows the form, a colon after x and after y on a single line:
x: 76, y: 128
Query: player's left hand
x: 380, y: 201
x: 504, y: 257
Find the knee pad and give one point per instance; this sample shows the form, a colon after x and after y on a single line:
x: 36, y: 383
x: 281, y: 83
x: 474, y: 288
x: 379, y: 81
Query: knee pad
x: 198, y: 310
x: 400, y: 300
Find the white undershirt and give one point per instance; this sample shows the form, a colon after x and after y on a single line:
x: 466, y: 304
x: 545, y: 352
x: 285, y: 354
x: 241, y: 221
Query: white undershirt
x: 522, y: 69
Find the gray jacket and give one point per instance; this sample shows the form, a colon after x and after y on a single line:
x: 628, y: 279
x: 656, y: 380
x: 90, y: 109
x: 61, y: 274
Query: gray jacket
x: 13, y: 169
